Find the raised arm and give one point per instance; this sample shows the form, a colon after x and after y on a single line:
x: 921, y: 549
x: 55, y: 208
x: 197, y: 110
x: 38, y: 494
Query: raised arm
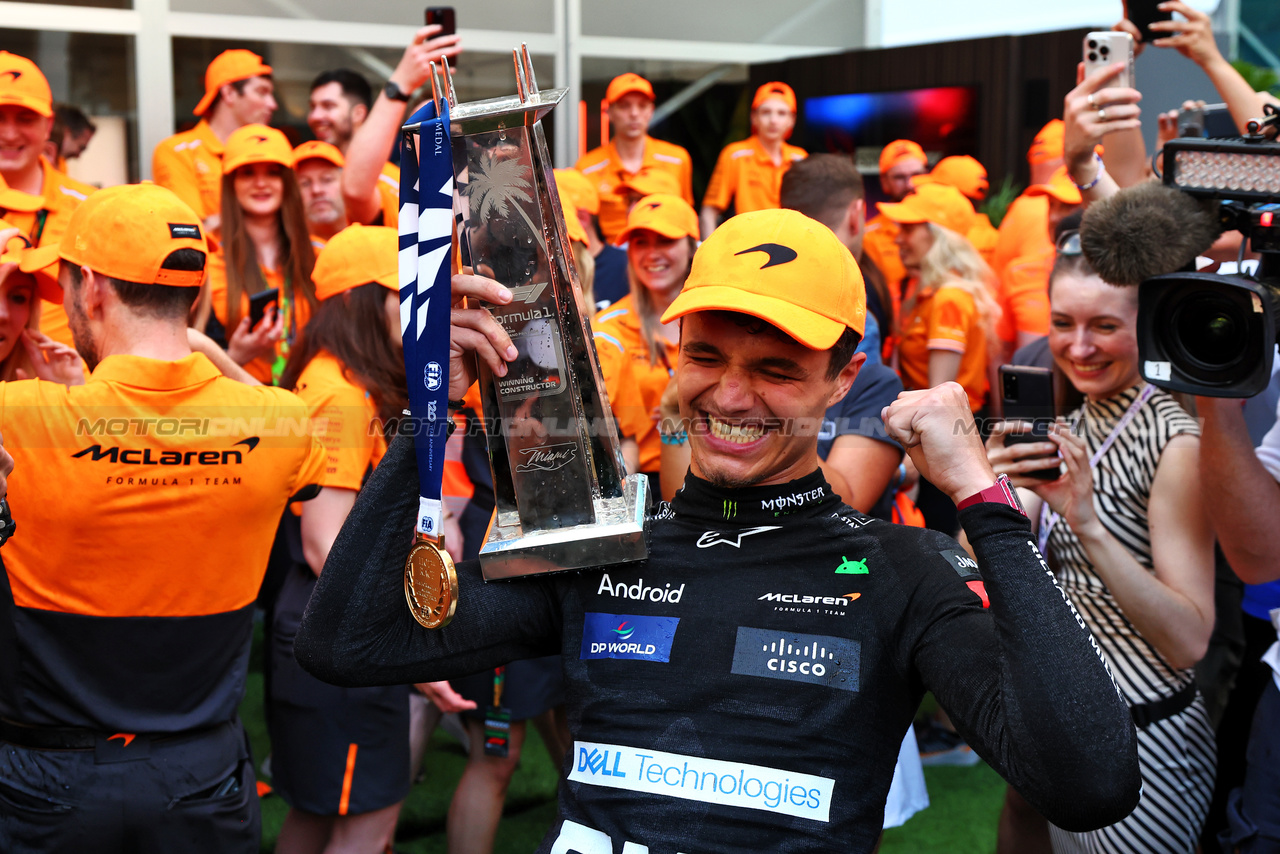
x: 373, y: 140
x: 1023, y: 681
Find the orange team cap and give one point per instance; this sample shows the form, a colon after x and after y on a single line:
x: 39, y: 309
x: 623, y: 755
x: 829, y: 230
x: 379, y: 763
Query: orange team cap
x: 782, y: 267
x: 775, y: 90
x: 668, y: 215
x: 126, y: 232
x: 936, y: 203
x: 624, y: 84
x: 1048, y: 144
x: 314, y: 149
x: 962, y: 172
x: 578, y: 189
x: 573, y: 226
x: 1059, y: 186
x: 228, y: 67
x: 358, y: 255
x: 22, y: 84
x: 256, y: 144
x: 15, y: 251
x: 897, y: 151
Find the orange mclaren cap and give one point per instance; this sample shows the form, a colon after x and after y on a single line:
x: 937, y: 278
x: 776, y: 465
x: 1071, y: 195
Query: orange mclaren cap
x: 358, y: 255
x: 22, y: 84
x: 1059, y: 186
x: 775, y: 90
x: 962, y: 172
x: 15, y: 251
x: 625, y: 84
x: 126, y: 232
x: 228, y: 67
x: 578, y: 189
x: 256, y: 144
x: 1048, y: 144
x: 897, y: 151
x: 571, y: 222
x: 936, y: 203
x: 782, y: 267
x: 314, y: 149
x: 669, y: 215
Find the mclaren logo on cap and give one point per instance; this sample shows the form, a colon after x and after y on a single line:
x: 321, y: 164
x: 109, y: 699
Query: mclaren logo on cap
x: 778, y: 254
x: 13, y: 75
x: 653, y: 205
x: 259, y: 139
x: 178, y: 230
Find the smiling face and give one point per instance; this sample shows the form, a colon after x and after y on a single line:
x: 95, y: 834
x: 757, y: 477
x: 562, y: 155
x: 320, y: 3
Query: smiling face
x: 260, y: 188
x: 331, y: 115
x: 22, y: 136
x: 17, y: 293
x: 754, y: 398
x: 914, y: 242
x: 1093, y: 334
x: 773, y: 120
x: 660, y: 263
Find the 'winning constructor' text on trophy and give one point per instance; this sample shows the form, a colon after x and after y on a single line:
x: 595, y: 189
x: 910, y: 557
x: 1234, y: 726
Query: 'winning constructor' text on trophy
x: 563, y: 500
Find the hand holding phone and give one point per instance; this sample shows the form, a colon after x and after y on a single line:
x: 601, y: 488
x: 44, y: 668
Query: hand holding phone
x: 1030, y: 414
x: 1103, y: 49
x: 259, y: 303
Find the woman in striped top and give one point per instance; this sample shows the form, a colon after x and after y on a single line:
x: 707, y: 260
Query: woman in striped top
x: 1125, y: 533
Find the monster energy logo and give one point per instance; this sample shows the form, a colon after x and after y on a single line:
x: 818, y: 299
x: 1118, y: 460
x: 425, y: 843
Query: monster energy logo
x: 730, y: 509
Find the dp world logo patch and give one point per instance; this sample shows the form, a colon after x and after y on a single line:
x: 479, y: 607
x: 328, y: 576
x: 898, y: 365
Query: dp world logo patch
x: 433, y: 376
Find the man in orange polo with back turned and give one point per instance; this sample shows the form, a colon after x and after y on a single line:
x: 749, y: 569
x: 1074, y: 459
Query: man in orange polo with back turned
x: 749, y: 173
x: 146, y: 502
x: 900, y: 161
x: 238, y: 91
x: 39, y: 199
x: 632, y: 150
x: 1024, y: 229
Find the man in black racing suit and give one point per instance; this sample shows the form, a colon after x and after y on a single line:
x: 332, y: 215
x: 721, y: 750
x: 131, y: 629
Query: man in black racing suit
x: 747, y: 687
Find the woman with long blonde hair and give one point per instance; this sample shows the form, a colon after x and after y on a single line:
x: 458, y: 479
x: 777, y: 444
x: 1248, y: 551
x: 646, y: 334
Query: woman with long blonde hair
x: 948, y: 318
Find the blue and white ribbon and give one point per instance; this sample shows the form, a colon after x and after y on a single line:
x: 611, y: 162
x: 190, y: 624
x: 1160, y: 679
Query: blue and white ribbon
x: 426, y: 246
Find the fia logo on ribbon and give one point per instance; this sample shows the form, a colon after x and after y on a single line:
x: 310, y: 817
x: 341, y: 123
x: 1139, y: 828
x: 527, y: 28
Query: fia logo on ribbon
x: 432, y: 376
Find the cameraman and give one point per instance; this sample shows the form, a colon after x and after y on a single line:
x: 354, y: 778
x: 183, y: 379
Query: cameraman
x: 1242, y: 494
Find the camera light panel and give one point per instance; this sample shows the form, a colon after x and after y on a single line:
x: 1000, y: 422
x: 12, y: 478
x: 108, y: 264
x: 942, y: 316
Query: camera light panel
x: 1227, y: 172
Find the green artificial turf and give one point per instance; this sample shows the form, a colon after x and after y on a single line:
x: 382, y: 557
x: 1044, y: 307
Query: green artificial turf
x: 961, y: 818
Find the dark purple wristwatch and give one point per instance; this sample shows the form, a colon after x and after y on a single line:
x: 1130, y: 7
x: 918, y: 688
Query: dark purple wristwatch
x: 1000, y: 492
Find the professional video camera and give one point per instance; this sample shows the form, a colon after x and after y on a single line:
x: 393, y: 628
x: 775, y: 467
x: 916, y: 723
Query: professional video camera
x: 1209, y: 334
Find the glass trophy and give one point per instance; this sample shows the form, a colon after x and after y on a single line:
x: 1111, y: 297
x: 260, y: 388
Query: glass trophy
x: 563, y: 498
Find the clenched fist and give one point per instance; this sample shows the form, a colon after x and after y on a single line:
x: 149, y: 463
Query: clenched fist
x: 936, y: 428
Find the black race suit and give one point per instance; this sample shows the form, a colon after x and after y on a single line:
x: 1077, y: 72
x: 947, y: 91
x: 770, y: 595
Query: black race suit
x: 748, y: 686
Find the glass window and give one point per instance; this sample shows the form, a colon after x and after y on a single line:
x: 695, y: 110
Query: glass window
x: 95, y: 73
x: 526, y: 16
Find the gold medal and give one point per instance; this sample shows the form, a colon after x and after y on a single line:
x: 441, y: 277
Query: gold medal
x: 430, y: 583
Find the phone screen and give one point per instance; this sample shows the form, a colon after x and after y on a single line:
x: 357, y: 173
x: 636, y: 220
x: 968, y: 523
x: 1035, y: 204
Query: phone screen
x: 1143, y: 13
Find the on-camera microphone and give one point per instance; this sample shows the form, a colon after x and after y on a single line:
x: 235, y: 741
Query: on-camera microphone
x: 1146, y: 230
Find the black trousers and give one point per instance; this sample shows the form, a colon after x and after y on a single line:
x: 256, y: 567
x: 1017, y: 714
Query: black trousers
x: 193, y: 794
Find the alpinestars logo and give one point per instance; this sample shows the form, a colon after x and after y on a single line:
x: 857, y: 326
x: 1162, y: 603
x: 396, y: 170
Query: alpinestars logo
x: 715, y: 538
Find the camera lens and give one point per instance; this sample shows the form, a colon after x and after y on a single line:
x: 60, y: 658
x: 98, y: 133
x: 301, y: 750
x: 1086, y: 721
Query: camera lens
x: 1105, y: 50
x: 1093, y: 57
x: 1093, y: 45
x: 1211, y: 331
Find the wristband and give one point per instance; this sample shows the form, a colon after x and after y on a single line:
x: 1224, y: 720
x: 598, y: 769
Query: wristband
x: 455, y: 405
x: 1102, y: 170
x: 1000, y: 492
x: 674, y: 438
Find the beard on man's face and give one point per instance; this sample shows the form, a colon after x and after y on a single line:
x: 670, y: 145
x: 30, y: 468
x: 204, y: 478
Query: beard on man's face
x: 80, y: 334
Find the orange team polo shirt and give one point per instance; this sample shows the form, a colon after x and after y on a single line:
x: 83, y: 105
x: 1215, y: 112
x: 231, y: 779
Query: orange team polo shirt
x: 216, y: 267
x: 45, y: 227
x: 389, y: 195
x: 346, y: 422
x: 147, y: 501
x: 1024, y: 295
x: 984, y: 236
x: 947, y: 319
x: 190, y: 164
x: 1023, y: 231
x: 604, y: 166
x: 878, y: 245
x: 747, y: 175
x: 635, y: 387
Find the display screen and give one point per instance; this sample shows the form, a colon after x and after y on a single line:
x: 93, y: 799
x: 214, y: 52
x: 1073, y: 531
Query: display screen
x: 943, y: 120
